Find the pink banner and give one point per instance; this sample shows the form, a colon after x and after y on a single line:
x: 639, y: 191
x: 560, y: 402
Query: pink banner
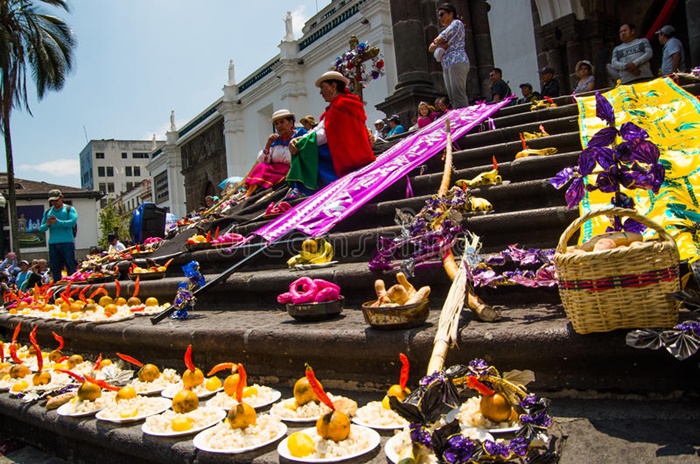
x: 320, y: 212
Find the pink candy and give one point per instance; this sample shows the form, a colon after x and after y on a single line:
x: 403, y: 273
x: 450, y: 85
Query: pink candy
x: 307, y: 290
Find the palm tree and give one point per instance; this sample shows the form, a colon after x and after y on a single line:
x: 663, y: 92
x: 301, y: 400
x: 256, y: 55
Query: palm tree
x: 42, y: 43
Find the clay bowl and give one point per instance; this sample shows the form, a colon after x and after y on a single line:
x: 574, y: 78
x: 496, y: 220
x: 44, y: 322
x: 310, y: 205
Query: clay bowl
x: 396, y: 317
x: 316, y: 311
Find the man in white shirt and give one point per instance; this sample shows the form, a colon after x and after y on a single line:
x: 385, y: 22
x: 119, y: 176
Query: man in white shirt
x: 115, y: 245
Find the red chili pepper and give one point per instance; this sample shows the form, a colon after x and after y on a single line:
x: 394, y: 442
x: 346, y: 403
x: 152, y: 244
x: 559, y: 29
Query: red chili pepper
x: 167, y: 263
x: 37, y: 350
x: 72, y: 292
x: 62, y: 359
x: 549, y: 100
x: 216, y: 233
x: 2, y: 352
x: 220, y: 367
x: 137, y: 285
x: 119, y: 287
x: 98, y: 362
x: 474, y: 384
x: 64, y: 297
x: 100, y: 289
x: 131, y: 360
x: 72, y: 374
x: 101, y: 383
x: 209, y: 236
x: 137, y: 309
x: 188, y: 359
x: 59, y: 339
x: 522, y: 141
x: 317, y: 388
x: 242, y: 377
x: 405, y: 369
x: 13, y: 345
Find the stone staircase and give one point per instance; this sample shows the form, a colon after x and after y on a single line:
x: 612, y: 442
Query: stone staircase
x: 240, y: 320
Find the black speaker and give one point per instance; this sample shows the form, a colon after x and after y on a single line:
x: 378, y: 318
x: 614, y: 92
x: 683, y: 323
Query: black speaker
x: 148, y: 220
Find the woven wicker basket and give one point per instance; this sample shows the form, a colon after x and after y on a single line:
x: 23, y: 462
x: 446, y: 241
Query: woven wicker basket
x: 622, y: 288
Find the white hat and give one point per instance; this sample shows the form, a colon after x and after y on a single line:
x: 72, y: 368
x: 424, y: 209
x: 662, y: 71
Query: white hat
x: 331, y: 76
x: 379, y: 121
x: 279, y: 114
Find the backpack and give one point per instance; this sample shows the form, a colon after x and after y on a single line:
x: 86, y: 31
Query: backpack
x: 75, y: 227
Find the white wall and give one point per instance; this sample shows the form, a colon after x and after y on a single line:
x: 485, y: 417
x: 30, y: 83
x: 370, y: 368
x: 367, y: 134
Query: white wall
x: 513, y: 43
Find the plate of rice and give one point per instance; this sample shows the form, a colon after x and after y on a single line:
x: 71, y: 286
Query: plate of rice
x: 469, y: 415
x: 396, y: 444
x: 223, y: 439
x: 265, y: 396
x: 167, y: 377
x: 133, y: 410
x: 289, y: 411
x: 376, y: 416
x: 78, y: 408
x: 162, y: 425
x: 360, y: 441
x: 200, y: 390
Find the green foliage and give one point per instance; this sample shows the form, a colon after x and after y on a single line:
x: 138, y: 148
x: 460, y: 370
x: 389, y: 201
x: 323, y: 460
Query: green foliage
x: 112, y: 222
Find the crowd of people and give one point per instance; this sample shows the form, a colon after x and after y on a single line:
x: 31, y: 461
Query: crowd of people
x: 23, y: 275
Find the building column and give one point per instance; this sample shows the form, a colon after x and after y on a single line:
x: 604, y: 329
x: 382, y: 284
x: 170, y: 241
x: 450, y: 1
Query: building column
x: 236, y: 162
x: 479, y: 48
x: 176, y: 181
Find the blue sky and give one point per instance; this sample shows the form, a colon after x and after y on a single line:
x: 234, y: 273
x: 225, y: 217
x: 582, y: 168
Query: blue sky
x: 137, y: 60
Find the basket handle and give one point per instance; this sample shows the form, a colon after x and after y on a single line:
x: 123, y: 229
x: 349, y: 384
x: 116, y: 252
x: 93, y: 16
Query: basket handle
x: 617, y: 211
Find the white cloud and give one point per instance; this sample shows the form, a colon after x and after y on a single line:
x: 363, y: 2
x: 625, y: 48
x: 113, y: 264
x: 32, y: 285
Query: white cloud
x: 58, y: 168
x: 299, y: 18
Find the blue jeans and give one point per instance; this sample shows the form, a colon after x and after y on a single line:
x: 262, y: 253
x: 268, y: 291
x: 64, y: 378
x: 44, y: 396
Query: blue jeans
x: 456, y: 83
x: 61, y: 254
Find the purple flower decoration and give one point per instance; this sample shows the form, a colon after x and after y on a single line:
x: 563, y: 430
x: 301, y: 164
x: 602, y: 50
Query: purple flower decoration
x: 478, y: 366
x: 645, y: 152
x: 689, y: 327
x: 604, y: 137
x: 563, y: 177
x: 604, y: 110
x: 519, y: 446
x: 496, y: 449
x: 420, y: 435
x: 574, y: 193
x: 632, y: 133
x: 460, y: 449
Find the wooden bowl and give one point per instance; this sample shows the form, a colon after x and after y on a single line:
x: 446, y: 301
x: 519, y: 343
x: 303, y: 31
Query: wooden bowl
x: 316, y: 311
x: 396, y: 317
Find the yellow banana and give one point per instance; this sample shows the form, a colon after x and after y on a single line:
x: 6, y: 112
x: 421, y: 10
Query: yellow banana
x: 535, y: 152
x: 325, y: 255
x: 480, y: 204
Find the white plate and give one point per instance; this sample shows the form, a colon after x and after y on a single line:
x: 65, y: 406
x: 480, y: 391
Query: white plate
x: 374, y: 441
x: 164, y: 404
x: 64, y: 410
x: 378, y: 427
x: 220, y: 415
x: 171, y: 390
x: 153, y: 391
x: 276, y: 395
x: 200, y: 442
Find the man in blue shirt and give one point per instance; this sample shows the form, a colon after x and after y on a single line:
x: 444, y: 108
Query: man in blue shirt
x: 59, y: 220
x: 395, y: 126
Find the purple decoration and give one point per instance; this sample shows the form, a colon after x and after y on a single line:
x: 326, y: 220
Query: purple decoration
x: 320, y: 212
x: 604, y: 110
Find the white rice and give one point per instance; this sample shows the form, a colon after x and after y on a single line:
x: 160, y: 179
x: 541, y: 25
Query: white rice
x: 142, y: 404
x: 200, y: 418
x: 374, y: 414
x: 167, y: 378
x: 223, y: 437
x: 358, y: 441
x: 288, y: 409
x: 224, y: 401
x: 470, y: 415
x: 75, y: 406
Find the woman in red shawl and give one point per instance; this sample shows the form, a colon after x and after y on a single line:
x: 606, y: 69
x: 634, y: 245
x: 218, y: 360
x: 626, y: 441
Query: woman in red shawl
x: 338, y: 145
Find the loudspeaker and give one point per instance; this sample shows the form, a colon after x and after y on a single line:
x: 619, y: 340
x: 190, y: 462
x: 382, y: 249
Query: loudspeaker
x: 148, y: 220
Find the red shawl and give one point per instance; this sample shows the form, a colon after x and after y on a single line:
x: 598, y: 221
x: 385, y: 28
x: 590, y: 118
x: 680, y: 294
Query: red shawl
x: 347, y: 134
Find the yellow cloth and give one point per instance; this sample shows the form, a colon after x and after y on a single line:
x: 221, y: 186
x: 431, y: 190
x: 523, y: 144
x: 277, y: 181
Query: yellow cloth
x: 671, y: 116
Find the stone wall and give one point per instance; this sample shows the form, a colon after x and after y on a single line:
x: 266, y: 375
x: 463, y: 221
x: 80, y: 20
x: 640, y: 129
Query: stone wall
x: 203, y: 163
